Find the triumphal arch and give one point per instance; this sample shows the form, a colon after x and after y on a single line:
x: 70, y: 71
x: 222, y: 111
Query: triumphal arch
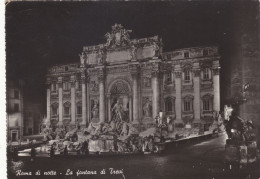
x: 133, y: 80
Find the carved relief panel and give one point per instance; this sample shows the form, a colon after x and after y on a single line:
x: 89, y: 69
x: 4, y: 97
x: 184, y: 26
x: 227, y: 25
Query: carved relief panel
x: 146, y: 78
x: 93, y: 85
x: 93, y: 81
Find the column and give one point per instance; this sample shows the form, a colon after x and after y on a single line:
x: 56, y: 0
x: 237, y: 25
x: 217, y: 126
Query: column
x: 130, y: 109
x: 134, y: 74
x: 178, y: 102
x: 216, y: 87
x: 73, y: 101
x: 88, y: 100
x: 48, y: 117
x: 196, y: 80
x: 84, y: 103
x: 101, y: 96
x: 156, y: 90
x: 60, y: 101
x: 108, y: 107
x: 156, y: 94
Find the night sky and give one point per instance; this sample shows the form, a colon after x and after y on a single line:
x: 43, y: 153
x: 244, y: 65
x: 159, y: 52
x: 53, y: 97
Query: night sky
x: 41, y: 34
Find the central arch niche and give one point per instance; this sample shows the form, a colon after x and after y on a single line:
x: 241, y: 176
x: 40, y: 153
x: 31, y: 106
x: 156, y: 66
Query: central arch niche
x: 120, y: 98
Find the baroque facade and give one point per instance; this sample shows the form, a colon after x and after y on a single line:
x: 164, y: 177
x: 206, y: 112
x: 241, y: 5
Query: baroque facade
x: 133, y: 80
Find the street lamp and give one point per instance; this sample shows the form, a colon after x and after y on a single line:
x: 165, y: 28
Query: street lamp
x: 161, y: 125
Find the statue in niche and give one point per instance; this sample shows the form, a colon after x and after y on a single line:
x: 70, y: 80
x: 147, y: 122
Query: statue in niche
x: 147, y: 108
x: 95, y: 110
x: 93, y: 86
x: 117, y: 112
x: 147, y: 81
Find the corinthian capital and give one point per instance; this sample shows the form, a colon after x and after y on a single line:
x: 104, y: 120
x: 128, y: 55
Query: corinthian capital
x: 196, y: 72
x: 216, y: 71
x: 134, y: 68
x: 155, y: 73
x: 101, y: 74
x: 178, y: 74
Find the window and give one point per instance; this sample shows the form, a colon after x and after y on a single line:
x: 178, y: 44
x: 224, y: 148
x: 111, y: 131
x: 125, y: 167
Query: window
x: 16, y: 107
x: 186, y: 54
x: 53, y: 87
x: 79, y: 109
x: 14, y: 135
x: 16, y: 94
x: 206, y: 74
x: 66, y: 86
x: 168, y: 77
x: 66, y: 68
x: 54, y: 109
x: 187, y: 75
x: 188, y: 104
x: 66, y: 108
x: 169, y: 106
x: 207, y: 103
x: 205, y: 52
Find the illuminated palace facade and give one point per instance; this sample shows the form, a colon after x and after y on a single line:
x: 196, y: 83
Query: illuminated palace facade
x: 138, y: 75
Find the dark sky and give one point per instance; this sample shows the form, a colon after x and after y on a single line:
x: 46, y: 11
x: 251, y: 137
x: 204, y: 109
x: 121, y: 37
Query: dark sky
x: 41, y: 34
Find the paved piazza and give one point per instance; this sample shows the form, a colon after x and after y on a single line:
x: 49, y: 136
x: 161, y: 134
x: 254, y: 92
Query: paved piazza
x: 201, y: 160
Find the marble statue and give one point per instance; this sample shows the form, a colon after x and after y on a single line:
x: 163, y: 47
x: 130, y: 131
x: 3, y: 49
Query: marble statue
x: 156, y: 49
x: 95, y: 111
x: 109, y: 38
x: 100, y: 56
x: 125, y: 129
x: 147, y: 108
x: 133, y: 52
x: 82, y: 59
x: 117, y: 111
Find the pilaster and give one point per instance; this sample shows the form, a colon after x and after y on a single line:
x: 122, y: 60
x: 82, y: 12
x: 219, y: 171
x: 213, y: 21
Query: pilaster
x: 48, y: 117
x: 197, y: 101
x: 84, y: 104
x: 73, y: 100
x: 178, y: 106
x: 216, y: 86
x: 88, y: 99
x: 60, y: 101
x: 134, y: 69
x: 108, y: 107
x: 156, y: 89
x: 102, y: 100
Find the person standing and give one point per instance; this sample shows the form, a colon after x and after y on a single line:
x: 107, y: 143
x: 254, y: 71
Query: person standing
x: 65, y: 151
x: 52, y: 153
x: 15, y: 154
x: 33, y: 153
